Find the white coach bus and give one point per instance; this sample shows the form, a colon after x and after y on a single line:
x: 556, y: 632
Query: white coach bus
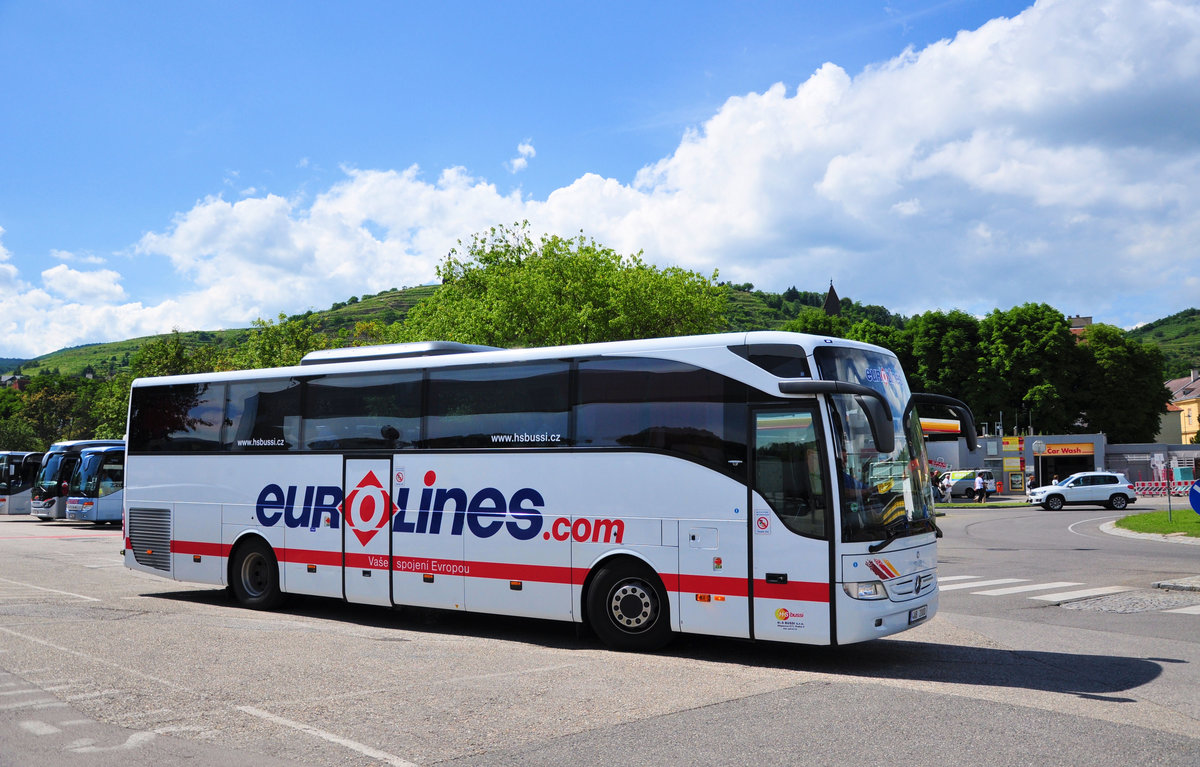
x: 18, y: 471
x: 710, y: 484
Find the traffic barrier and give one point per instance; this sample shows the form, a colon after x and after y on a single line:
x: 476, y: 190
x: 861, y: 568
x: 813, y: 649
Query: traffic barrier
x: 1159, y: 489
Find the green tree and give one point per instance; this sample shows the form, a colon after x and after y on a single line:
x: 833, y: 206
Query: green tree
x: 275, y: 344
x: 507, y: 290
x: 815, y: 321
x: 1123, y: 385
x: 1028, y: 358
x: 17, y: 433
x: 945, y: 354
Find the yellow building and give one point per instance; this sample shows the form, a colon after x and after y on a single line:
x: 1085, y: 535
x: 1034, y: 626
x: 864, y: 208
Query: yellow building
x: 1185, y: 395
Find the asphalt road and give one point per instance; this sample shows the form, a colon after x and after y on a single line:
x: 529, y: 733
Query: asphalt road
x: 100, y: 665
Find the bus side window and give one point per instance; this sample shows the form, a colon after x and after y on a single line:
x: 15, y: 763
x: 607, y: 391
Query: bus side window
x: 378, y: 411
x: 179, y: 418
x: 524, y: 405
x: 663, y: 405
x: 263, y: 415
x: 788, y: 471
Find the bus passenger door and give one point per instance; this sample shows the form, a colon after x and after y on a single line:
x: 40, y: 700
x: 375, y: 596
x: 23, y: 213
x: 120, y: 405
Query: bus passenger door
x: 366, y: 536
x: 791, y: 524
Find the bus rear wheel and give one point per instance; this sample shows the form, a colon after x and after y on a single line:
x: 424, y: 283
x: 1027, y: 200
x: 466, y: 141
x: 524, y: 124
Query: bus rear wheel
x: 255, y: 576
x: 627, y: 607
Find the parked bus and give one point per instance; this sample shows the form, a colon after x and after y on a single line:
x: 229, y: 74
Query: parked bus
x: 18, y: 471
x: 97, y: 490
x: 711, y: 485
x: 54, y: 476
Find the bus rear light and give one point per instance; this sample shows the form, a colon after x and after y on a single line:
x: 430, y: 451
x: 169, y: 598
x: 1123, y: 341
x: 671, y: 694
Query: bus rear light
x: 865, y: 590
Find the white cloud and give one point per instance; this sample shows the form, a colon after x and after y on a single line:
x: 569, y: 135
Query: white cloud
x: 101, y: 286
x: 1064, y: 142
x: 525, y: 152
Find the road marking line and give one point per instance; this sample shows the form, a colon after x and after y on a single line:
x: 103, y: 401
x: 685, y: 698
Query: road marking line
x: 948, y: 578
x: 39, y: 728
x: 975, y: 584
x: 26, y: 691
x: 93, y: 658
x: 350, y: 744
x: 1066, y: 596
x: 53, y: 591
x: 1020, y: 589
x: 40, y: 703
x: 1192, y: 610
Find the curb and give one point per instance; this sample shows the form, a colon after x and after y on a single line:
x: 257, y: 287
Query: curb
x: 1112, y: 529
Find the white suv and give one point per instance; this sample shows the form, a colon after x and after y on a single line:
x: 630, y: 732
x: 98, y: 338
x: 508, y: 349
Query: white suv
x: 1087, y: 488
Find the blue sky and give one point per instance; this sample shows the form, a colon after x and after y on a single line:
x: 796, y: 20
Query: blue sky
x: 196, y: 166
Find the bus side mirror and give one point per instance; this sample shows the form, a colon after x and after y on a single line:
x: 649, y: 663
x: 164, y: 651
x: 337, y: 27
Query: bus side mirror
x: 874, y: 404
x: 958, y: 407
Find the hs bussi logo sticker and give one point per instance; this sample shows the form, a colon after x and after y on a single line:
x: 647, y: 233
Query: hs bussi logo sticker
x: 440, y: 510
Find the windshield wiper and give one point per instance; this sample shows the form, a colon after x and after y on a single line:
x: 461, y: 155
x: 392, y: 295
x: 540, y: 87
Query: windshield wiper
x: 896, y: 531
x: 899, y: 531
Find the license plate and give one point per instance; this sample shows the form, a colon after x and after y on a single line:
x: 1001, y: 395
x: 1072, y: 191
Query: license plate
x: 918, y: 614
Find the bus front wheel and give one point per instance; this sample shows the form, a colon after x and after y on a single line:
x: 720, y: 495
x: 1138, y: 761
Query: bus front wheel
x: 255, y: 576
x: 627, y: 607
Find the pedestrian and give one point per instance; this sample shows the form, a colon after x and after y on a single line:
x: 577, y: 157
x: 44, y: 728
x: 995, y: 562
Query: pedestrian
x: 980, y: 488
x: 947, y: 486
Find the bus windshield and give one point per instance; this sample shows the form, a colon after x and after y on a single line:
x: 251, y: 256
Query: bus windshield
x: 884, y: 495
x: 98, y: 475
x: 49, y: 473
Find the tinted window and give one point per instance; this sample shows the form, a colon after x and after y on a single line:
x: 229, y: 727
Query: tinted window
x: 663, y: 405
x: 380, y: 411
x: 512, y: 406
x: 781, y: 360
x: 263, y: 415
x: 183, y: 417
x: 788, y: 470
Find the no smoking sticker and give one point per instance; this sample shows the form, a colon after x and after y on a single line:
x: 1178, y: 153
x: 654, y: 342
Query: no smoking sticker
x: 762, y: 522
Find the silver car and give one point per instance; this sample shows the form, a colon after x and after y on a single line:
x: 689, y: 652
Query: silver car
x: 1087, y: 488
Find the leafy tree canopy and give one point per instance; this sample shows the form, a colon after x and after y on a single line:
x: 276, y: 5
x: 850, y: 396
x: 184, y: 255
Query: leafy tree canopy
x: 507, y: 290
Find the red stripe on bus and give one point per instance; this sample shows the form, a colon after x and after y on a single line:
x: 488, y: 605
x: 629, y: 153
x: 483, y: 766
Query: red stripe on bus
x: 713, y: 584
x: 800, y: 591
x: 556, y: 574
x: 199, y: 547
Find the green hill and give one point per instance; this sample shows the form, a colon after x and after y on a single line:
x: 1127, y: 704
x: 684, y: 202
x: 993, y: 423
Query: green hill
x: 748, y: 309
x: 1179, y: 338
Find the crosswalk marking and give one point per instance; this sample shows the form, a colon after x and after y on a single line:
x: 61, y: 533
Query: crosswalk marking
x: 978, y: 588
x: 974, y: 584
x: 1021, y: 589
x: 1066, y: 596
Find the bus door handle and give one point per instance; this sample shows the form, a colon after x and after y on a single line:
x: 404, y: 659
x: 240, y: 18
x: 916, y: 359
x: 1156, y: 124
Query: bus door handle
x: 776, y: 577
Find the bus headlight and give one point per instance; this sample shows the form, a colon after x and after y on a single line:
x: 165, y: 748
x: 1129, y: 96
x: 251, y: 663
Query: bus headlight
x: 865, y: 590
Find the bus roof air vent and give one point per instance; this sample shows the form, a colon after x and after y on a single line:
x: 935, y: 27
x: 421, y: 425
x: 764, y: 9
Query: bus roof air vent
x: 391, y: 352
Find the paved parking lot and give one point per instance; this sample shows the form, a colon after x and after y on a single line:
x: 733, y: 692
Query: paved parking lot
x: 100, y: 665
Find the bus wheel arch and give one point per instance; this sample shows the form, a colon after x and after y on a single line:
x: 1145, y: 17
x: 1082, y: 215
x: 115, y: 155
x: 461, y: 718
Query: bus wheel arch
x: 626, y: 604
x: 253, y: 574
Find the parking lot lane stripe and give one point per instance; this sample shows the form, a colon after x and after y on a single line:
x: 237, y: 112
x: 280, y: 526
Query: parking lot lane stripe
x: 329, y: 736
x: 976, y: 584
x: 96, y: 659
x: 52, y: 591
x: 1021, y: 589
x: 39, y: 728
x: 1067, y: 596
x: 1192, y: 610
